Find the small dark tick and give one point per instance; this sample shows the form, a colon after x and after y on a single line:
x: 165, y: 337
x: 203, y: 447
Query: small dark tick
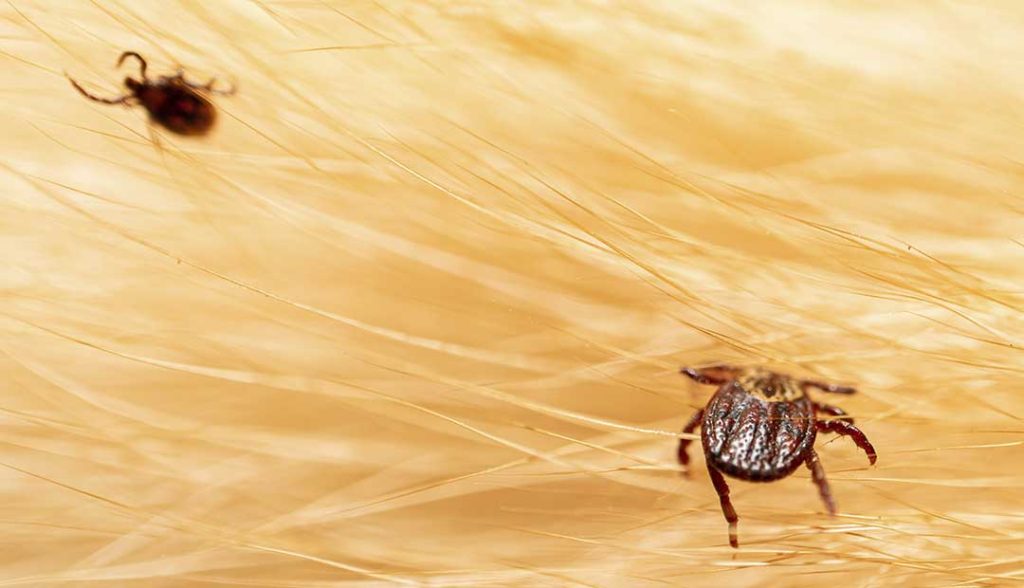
x: 760, y: 426
x: 172, y: 102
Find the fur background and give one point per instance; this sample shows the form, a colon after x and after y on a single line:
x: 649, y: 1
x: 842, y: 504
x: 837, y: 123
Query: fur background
x: 413, y: 313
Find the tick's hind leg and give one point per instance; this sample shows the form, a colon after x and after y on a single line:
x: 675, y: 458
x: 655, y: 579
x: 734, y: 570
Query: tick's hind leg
x: 833, y: 411
x: 723, y: 496
x: 818, y: 475
x: 693, y: 423
x: 858, y: 436
x: 121, y: 100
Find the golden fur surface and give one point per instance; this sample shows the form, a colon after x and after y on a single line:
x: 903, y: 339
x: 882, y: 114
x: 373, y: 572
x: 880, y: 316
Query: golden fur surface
x: 413, y: 313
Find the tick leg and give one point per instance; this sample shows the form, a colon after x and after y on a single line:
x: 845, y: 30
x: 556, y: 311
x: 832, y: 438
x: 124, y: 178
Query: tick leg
x: 723, y: 496
x: 207, y: 87
x: 833, y: 410
x: 826, y: 387
x: 142, y: 62
x: 716, y: 374
x: 122, y: 100
x: 858, y: 436
x: 693, y: 423
x: 818, y: 475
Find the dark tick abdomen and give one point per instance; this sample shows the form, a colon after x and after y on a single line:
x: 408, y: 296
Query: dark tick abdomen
x: 750, y: 438
x: 179, y: 109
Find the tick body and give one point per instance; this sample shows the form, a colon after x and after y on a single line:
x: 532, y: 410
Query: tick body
x: 172, y: 102
x: 760, y: 426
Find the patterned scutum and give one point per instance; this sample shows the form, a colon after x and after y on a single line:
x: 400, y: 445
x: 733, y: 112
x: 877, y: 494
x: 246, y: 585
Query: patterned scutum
x: 750, y: 438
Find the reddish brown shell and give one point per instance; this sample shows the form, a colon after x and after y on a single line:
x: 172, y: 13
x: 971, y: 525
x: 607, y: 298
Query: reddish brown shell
x: 177, y: 107
x: 755, y: 439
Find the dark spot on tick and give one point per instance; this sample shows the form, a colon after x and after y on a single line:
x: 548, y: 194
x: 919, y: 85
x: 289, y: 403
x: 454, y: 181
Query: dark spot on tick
x: 760, y: 426
x: 172, y: 101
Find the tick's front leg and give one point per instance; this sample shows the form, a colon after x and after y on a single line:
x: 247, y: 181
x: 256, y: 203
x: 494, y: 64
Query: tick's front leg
x: 826, y: 387
x: 693, y: 423
x: 716, y: 374
x: 179, y: 76
x: 858, y: 436
x: 119, y: 100
x: 818, y: 475
x: 209, y: 87
x: 723, y: 496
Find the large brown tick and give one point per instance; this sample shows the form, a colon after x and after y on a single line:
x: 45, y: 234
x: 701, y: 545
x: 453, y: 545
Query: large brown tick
x: 172, y: 101
x: 760, y: 426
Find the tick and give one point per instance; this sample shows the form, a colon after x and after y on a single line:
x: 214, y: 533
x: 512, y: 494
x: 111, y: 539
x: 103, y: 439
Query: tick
x: 760, y: 426
x: 172, y: 101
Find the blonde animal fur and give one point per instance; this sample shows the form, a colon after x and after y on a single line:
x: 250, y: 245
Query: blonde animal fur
x: 413, y: 313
